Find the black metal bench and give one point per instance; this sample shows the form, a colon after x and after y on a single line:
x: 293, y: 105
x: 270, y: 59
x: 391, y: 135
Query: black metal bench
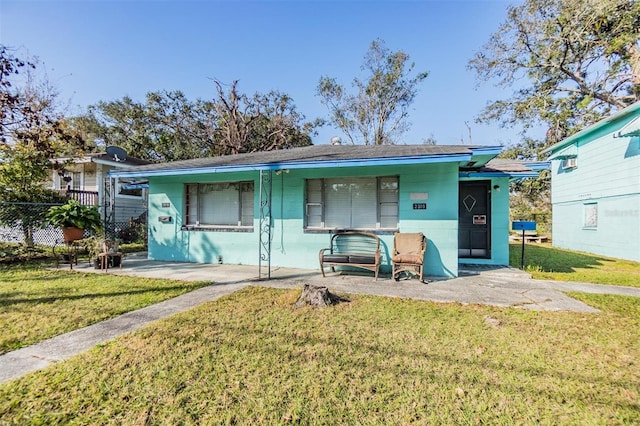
x: 352, y: 248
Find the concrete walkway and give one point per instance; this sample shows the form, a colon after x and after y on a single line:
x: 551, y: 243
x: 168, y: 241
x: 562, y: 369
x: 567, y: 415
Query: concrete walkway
x: 505, y: 287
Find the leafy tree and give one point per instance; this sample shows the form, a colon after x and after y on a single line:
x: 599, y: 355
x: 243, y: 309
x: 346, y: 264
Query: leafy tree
x: 263, y: 122
x: 169, y: 127
x: 185, y: 128
x: 122, y: 122
x: 530, y: 198
x: 32, y: 132
x: 377, y: 112
x: 571, y: 62
x: 13, y: 106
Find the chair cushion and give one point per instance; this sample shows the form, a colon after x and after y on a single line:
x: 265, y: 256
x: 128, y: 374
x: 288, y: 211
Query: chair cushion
x: 408, y: 258
x: 408, y: 243
x: 364, y: 259
x: 337, y: 258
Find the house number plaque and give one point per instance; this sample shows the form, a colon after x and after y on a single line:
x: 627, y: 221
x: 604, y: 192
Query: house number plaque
x: 419, y: 206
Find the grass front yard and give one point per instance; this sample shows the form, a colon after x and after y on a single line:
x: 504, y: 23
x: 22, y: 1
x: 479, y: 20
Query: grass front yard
x: 544, y: 262
x: 251, y: 358
x: 37, y: 303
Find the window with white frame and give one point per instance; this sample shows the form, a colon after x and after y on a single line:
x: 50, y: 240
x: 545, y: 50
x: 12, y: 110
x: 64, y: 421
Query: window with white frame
x: 352, y: 203
x: 76, y: 181
x: 223, y: 204
x: 591, y: 215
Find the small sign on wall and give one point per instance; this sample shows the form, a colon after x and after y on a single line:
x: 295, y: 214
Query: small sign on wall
x: 419, y: 206
x: 479, y: 219
x: 166, y: 205
x: 419, y: 196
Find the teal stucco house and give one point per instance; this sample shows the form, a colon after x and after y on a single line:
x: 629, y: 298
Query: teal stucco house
x: 279, y: 208
x: 595, y: 187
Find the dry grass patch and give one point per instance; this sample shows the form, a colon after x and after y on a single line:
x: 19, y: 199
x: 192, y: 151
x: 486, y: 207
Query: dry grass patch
x: 251, y: 358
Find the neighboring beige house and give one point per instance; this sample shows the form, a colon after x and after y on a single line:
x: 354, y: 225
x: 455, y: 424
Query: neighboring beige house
x: 85, y: 179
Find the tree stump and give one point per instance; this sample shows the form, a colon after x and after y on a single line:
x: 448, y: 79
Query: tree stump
x: 317, y: 296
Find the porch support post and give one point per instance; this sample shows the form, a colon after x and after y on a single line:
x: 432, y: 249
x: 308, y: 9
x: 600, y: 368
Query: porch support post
x: 264, y: 255
x: 108, y: 206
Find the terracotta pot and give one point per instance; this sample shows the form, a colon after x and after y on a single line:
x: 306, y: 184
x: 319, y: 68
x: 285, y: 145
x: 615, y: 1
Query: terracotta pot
x: 72, y: 234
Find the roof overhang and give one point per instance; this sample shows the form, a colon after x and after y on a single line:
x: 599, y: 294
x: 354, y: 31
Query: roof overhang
x: 631, y: 129
x: 113, y: 163
x: 497, y: 174
x: 74, y: 160
x: 101, y: 158
x: 482, y: 155
x: 311, y: 164
x: 538, y: 165
x: 135, y: 186
x: 570, y: 151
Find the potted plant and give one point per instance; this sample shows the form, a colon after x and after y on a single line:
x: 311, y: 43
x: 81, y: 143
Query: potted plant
x: 98, y: 246
x: 94, y: 246
x: 74, y: 219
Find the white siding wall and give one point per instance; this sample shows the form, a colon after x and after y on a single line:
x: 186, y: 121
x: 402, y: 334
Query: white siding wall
x: 607, y: 175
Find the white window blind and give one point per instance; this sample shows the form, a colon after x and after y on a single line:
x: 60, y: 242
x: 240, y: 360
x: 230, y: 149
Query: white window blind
x: 352, y: 203
x: 363, y: 210
x: 219, y: 204
x: 388, y: 197
x: 313, y: 206
x: 337, y: 199
x: 191, y: 204
x: 246, y: 204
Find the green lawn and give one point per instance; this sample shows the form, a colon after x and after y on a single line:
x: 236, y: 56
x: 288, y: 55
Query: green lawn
x: 37, y: 302
x: 548, y: 263
x: 251, y: 358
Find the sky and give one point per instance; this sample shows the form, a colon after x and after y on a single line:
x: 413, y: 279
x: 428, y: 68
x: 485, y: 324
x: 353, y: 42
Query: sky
x: 104, y: 50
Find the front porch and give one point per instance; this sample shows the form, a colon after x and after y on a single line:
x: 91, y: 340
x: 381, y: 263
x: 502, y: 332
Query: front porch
x: 479, y: 284
x: 86, y: 198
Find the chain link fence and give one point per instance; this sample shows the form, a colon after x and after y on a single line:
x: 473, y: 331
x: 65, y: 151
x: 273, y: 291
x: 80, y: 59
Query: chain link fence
x: 24, y: 223
x: 128, y: 224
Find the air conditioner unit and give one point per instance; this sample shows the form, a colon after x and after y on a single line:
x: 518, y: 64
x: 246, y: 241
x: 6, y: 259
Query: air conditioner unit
x: 570, y: 163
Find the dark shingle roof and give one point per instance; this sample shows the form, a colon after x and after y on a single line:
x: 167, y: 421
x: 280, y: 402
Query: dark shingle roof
x: 316, y: 153
x: 504, y: 165
x: 130, y: 160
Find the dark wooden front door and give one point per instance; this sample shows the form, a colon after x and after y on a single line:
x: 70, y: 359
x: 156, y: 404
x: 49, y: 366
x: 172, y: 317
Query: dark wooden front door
x: 474, y: 220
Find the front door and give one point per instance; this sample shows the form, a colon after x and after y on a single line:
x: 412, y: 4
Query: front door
x: 474, y: 220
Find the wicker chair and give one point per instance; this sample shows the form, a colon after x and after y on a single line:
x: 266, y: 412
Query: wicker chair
x: 408, y: 254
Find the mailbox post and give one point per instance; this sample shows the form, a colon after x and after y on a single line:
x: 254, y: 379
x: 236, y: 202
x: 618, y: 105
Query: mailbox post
x: 522, y: 225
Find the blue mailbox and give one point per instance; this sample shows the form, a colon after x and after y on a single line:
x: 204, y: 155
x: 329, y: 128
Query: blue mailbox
x: 523, y: 225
